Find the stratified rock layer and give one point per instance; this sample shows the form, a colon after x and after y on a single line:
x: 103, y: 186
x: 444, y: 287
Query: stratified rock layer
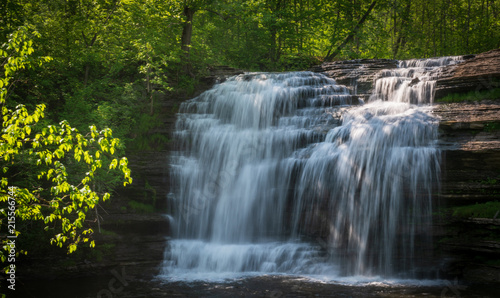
x: 470, y: 140
x: 358, y: 75
x: 480, y: 72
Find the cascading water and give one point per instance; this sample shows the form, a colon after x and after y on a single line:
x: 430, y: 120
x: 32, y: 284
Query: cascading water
x: 289, y: 174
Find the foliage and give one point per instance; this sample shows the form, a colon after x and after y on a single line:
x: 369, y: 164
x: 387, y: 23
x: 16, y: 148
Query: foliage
x: 256, y: 35
x: 141, y: 207
x: 471, y: 96
x: 485, y: 210
x: 123, y: 55
x: 100, y: 39
x: 37, y: 161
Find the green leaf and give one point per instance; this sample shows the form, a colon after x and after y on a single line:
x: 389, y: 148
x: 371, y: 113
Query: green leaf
x: 55, y: 200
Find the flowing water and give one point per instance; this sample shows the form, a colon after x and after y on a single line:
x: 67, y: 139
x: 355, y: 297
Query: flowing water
x: 287, y: 173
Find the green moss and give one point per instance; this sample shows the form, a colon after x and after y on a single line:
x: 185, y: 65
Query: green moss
x: 108, y: 233
x: 149, y: 189
x: 471, y: 96
x: 68, y: 263
x: 101, y: 251
x: 446, y: 240
x: 492, y: 126
x: 141, y: 207
x: 485, y: 210
x: 493, y: 262
x: 489, y: 181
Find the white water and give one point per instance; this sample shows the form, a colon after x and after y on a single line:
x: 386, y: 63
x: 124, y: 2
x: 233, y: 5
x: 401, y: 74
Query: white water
x: 267, y: 161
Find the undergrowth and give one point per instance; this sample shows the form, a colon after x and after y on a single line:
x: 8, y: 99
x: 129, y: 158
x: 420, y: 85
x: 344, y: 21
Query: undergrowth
x: 471, y: 96
x: 484, y: 210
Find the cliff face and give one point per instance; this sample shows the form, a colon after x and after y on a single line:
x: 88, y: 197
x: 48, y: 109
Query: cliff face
x: 467, y: 227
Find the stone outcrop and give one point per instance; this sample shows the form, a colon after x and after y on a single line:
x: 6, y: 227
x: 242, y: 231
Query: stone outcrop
x: 218, y: 74
x: 477, y: 73
x: 470, y: 141
x: 469, y: 126
x: 358, y: 74
x: 469, y: 138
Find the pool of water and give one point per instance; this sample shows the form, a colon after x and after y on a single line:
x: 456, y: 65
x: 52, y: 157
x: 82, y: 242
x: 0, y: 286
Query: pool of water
x: 275, y: 286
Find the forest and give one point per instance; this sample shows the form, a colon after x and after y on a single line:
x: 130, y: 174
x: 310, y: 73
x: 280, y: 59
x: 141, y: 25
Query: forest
x: 106, y: 64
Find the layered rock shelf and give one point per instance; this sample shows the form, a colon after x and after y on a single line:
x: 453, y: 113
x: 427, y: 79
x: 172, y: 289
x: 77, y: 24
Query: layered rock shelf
x: 358, y: 75
x: 470, y: 143
x: 476, y: 73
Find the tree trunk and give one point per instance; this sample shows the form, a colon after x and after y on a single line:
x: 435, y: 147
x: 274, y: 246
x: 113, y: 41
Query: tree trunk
x: 92, y: 42
x: 401, y: 36
x: 273, y: 51
x: 329, y: 56
x: 187, y: 32
x: 469, y: 4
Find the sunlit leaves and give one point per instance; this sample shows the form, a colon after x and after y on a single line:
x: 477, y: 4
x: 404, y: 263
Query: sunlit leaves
x: 16, y: 56
x: 59, y: 199
x: 50, y: 150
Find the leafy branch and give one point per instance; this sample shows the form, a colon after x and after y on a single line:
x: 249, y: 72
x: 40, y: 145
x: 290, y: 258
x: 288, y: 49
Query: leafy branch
x: 58, y: 197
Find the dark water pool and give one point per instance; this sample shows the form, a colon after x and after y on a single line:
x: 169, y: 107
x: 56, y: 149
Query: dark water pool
x: 260, y: 286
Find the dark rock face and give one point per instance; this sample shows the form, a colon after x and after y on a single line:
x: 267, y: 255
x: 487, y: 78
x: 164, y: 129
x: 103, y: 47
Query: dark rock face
x: 470, y: 140
x: 477, y: 73
x: 358, y: 74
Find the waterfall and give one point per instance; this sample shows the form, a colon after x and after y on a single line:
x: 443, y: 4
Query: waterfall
x: 288, y: 173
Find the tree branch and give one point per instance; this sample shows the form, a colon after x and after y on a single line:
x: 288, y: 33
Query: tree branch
x: 329, y: 56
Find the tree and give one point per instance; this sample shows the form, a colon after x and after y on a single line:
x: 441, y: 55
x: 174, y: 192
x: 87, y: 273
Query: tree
x: 37, y: 160
x: 329, y: 55
x: 189, y: 8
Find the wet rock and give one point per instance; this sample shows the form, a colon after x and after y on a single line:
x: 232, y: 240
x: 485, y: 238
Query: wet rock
x: 414, y: 82
x: 469, y: 140
x: 358, y: 75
